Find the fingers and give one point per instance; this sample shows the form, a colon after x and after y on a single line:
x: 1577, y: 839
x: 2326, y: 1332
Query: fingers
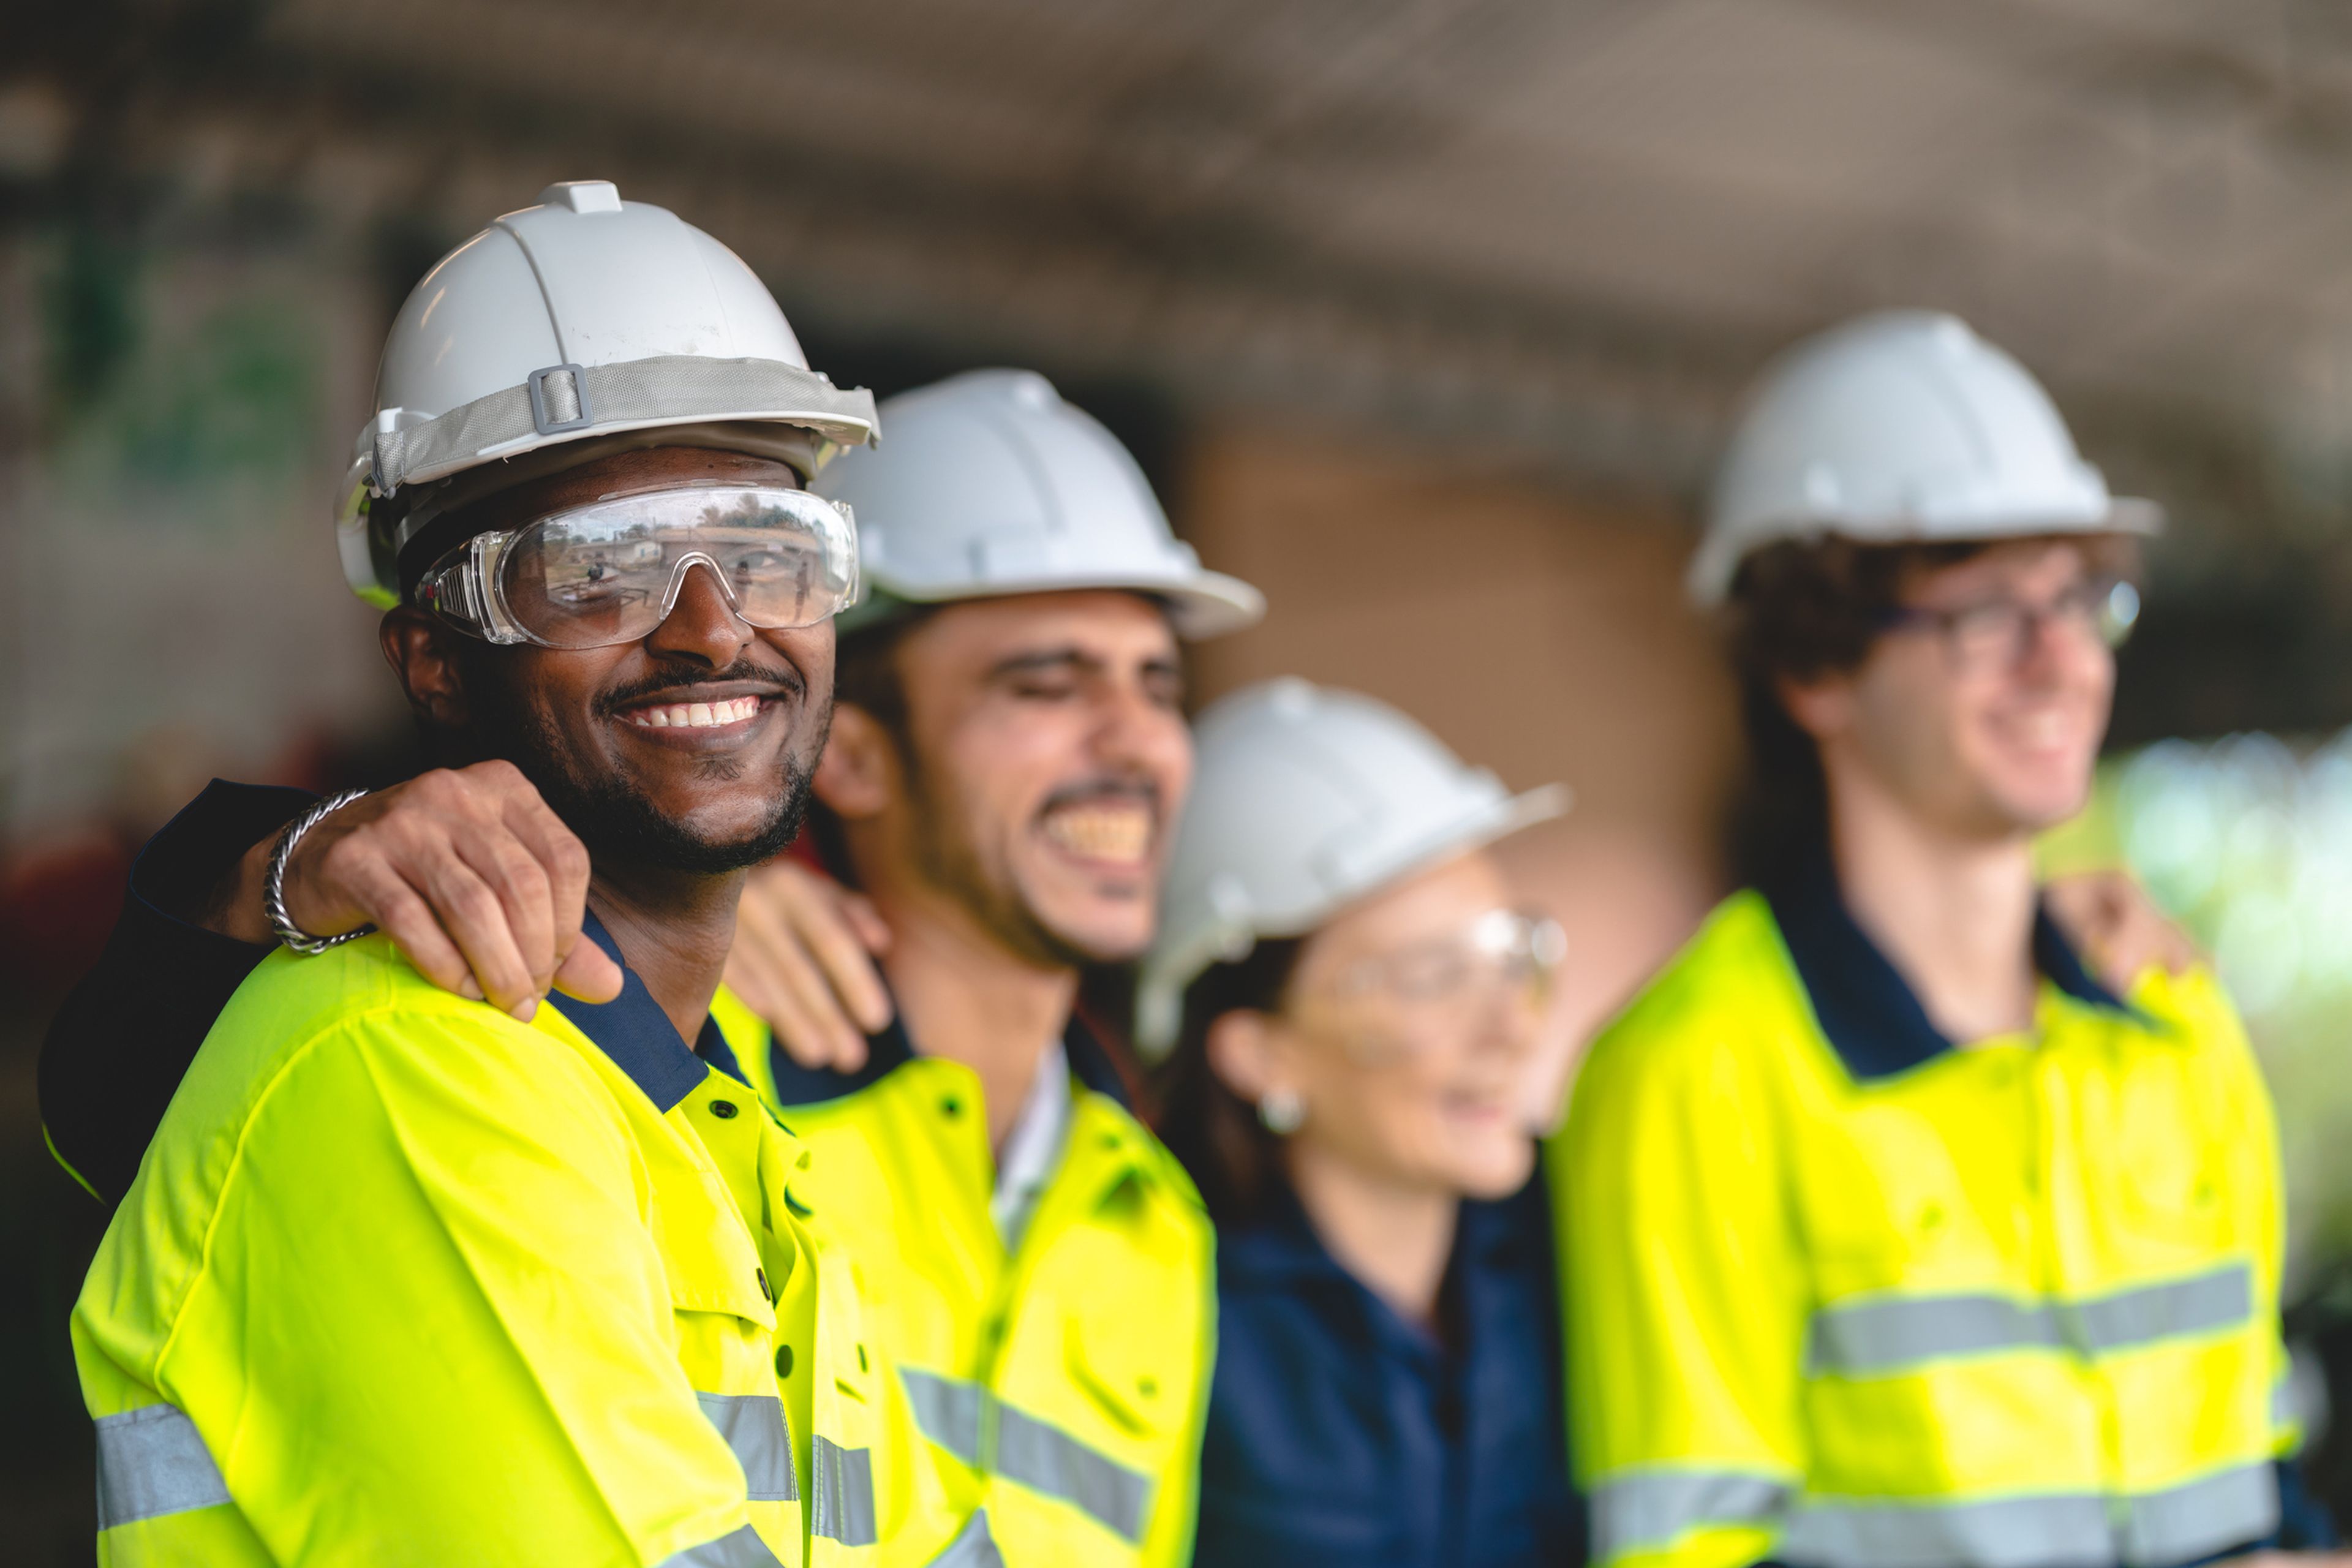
x: 771, y: 963
x: 831, y: 934
x: 475, y: 878
x: 589, y: 974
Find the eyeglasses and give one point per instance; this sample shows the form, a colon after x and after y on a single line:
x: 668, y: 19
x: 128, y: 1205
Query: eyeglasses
x: 611, y: 572
x: 1442, y: 992
x: 1998, y: 632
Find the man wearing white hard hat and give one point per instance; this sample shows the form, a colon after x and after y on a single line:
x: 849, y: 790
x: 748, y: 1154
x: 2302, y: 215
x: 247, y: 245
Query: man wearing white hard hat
x: 409, y: 1277
x: 1351, y: 1002
x: 1005, y: 767
x: 1890, y: 1234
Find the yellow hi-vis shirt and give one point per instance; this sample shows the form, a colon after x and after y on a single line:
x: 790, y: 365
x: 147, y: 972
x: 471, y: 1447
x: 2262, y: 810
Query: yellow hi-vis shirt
x: 403, y: 1280
x: 1843, y: 1295
x: 1065, y: 1379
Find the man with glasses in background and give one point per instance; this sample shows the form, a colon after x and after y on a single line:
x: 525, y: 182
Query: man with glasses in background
x: 1891, y: 1236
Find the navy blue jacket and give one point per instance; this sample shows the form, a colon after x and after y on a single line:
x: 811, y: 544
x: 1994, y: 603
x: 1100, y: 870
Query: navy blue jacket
x: 1340, y: 1432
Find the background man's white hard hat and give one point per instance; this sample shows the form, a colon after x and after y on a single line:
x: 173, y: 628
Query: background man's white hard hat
x: 992, y: 485
x: 583, y: 318
x: 1306, y: 799
x: 1898, y: 427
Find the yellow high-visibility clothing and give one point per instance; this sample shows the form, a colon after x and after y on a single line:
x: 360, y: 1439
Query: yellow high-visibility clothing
x: 1067, y: 1377
x: 1842, y: 1295
x: 403, y: 1280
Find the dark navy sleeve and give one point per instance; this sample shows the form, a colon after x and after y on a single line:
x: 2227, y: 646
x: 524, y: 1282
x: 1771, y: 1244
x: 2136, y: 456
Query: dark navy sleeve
x: 2304, y: 1522
x: 116, y: 1049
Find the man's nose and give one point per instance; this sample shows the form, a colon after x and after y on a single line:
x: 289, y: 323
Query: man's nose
x: 702, y: 625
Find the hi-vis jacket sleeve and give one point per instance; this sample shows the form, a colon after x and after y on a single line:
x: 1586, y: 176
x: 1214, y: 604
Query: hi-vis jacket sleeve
x: 429, y: 1324
x: 1686, y: 1331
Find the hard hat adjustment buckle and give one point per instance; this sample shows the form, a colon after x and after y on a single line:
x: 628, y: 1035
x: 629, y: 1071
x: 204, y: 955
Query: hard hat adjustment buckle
x: 562, y: 406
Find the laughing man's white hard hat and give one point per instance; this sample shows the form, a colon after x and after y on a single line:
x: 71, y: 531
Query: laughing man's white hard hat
x: 992, y: 485
x: 1306, y: 799
x: 582, y: 318
x: 1900, y: 427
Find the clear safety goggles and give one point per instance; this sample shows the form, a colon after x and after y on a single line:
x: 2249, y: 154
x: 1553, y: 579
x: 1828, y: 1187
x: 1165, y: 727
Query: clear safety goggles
x: 1441, y: 993
x: 610, y: 572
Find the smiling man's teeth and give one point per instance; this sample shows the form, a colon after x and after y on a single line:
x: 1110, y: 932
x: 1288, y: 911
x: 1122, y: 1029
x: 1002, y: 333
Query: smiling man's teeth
x: 1120, y: 833
x: 694, y: 715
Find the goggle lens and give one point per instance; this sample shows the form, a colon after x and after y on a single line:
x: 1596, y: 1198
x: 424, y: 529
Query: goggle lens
x: 611, y: 572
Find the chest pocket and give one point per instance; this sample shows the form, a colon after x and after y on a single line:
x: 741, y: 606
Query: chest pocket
x: 2158, y: 1110
x: 1887, y: 1199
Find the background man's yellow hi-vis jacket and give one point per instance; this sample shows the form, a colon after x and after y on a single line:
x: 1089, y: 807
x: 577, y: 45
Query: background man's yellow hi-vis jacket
x: 403, y: 1280
x: 1066, y: 1380
x: 1843, y: 1295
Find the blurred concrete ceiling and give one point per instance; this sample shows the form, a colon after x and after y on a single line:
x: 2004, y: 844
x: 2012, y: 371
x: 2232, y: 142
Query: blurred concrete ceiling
x: 1566, y: 229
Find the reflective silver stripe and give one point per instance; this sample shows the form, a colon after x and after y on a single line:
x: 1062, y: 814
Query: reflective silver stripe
x: 2005, y: 1533
x: 2284, y: 1413
x: 755, y: 1427
x: 843, y: 1483
x: 2235, y: 1507
x: 982, y: 1431
x: 739, y: 1548
x: 948, y: 1410
x: 151, y: 1461
x: 1044, y: 1458
x: 1877, y: 1335
x: 1888, y: 1334
x: 2220, y: 1300
x: 1634, y: 1513
x: 973, y: 1547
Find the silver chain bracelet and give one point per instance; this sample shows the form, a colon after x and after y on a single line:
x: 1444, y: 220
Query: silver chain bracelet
x: 273, y: 888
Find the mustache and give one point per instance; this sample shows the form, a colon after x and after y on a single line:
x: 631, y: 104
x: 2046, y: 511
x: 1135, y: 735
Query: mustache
x: 1106, y: 789
x: 684, y: 677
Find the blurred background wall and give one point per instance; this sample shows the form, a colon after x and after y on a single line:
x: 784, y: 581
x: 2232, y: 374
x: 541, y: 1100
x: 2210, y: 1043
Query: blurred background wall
x: 1428, y: 316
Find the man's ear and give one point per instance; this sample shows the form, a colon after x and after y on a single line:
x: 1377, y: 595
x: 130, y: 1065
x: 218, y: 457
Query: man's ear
x: 1822, y: 707
x: 859, y: 773
x: 420, y: 651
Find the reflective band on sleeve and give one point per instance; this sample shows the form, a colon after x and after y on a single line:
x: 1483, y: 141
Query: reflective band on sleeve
x: 2184, y: 1524
x: 151, y: 1462
x: 754, y: 1426
x: 739, y: 1548
x: 2284, y: 1413
x: 948, y: 1410
x: 1887, y: 1334
x: 843, y: 1483
x: 973, y: 1547
x: 1638, y: 1512
x: 1045, y: 1458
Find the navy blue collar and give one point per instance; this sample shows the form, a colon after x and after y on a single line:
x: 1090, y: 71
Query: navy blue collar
x: 638, y: 1034
x: 892, y: 1048
x: 1870, y: 1015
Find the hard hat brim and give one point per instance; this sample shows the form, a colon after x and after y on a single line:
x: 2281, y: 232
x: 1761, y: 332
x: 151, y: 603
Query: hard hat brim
x: 1713, y: 570
x: 1201, y: 604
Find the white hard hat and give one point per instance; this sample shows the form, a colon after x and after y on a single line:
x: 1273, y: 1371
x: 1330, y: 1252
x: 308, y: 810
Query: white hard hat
x: 992, y: 485
x: 1306, y: 799
x: 582, y: 318
x: 1900, y: 427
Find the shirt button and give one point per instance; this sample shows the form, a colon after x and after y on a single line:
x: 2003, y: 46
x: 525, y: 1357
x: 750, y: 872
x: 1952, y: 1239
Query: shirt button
x: 723, y: 1108
x: 765, y: 1294
x: 783, y: 1361
x: 951, y: 1106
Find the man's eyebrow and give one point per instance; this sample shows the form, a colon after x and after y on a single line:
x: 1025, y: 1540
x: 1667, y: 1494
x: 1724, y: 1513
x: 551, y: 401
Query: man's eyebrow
x: 1042, y: 660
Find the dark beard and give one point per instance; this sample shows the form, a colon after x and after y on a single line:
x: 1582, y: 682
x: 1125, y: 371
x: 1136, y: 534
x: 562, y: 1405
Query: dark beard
x: 946, y: 859
x: 616, y: 824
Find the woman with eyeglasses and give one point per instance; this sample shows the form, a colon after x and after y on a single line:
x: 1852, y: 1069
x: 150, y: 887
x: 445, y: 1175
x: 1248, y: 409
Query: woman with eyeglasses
x: 1352, y: 1001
